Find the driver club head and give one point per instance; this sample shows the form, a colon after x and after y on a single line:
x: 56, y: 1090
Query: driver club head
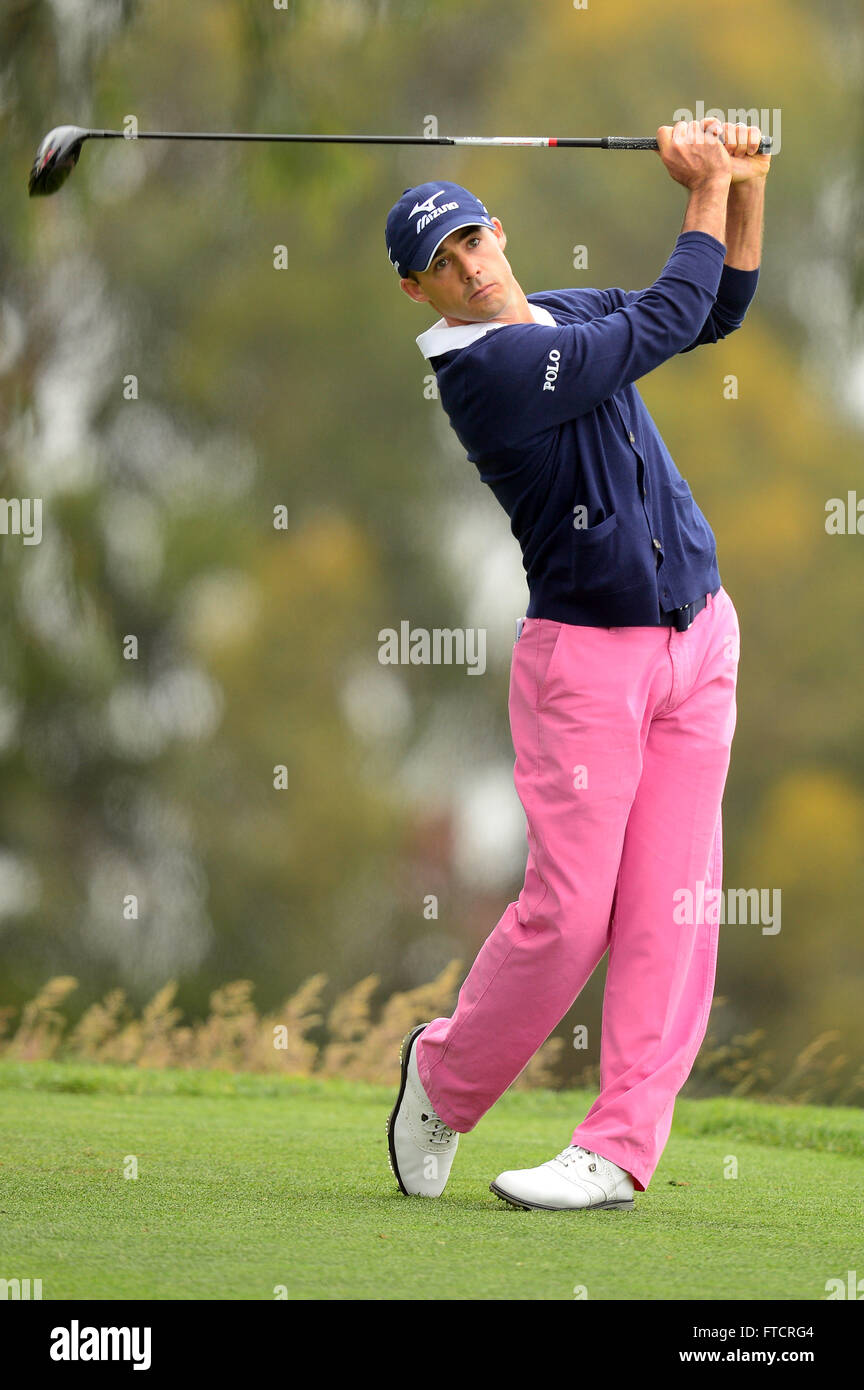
x: 55, y: 159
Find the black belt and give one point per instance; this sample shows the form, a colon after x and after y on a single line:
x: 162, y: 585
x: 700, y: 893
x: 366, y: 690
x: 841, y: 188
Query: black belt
x: 681, y: 618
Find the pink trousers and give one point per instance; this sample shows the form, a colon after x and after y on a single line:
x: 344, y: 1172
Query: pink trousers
x: 622, y: 739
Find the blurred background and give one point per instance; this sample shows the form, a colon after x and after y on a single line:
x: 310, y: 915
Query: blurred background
x: 301, y: 388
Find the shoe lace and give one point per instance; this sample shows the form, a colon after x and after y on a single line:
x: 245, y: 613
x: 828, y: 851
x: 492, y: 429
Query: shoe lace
x: 574, y: 1153
x: 436, y: 1130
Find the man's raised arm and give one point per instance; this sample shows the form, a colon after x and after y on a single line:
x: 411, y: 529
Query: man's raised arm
x: 695, y: 156
x: 745, y: 214
x: 742, y: 233
x: 727, y: 191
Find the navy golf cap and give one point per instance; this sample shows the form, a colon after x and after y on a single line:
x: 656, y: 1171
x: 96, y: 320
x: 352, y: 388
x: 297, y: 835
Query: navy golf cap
x: 424, y: 216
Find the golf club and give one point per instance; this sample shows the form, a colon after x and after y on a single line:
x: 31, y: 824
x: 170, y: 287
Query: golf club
x: 58, y: 153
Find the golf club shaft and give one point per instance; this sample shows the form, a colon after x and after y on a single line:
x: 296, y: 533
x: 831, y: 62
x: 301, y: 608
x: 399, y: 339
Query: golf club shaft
x: 602, y: 142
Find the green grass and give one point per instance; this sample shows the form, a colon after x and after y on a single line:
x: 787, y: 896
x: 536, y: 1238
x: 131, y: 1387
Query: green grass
x: 247, y: 1182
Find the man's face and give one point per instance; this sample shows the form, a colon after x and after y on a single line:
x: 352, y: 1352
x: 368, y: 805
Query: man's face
x: 469, y: 279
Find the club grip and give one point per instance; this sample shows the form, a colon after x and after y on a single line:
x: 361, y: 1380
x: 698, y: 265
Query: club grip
x: 638, y: 142
x: 629, y: 142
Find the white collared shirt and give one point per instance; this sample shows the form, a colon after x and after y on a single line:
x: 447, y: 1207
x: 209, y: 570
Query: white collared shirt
x: 442, y: 338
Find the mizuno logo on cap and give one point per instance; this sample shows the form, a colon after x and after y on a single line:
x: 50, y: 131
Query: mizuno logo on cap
x: 429, y: 210
x: 428, y: 206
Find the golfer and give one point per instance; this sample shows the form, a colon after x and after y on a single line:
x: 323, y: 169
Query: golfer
x: 623, y: 678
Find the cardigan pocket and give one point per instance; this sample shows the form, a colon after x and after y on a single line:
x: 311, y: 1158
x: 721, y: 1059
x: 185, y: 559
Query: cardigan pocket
x: 604, y: 559
x: 693, y: 536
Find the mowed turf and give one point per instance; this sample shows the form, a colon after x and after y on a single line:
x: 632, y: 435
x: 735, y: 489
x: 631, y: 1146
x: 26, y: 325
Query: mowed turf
x: 249, y: 1184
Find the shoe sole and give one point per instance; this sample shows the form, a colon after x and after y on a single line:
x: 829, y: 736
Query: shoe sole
x: 625, y: 1204
x: 404, y: 1057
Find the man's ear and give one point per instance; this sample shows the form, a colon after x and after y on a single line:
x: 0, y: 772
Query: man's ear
x: 500, y: 232
x: 414, y: 291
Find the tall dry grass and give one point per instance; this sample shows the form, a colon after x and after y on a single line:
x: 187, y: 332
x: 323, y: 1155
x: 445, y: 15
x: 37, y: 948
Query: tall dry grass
x: 357, y: 1040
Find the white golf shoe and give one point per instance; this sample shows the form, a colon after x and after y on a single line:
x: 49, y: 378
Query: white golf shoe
x: 422, y: 1147
x: 575, y: 1180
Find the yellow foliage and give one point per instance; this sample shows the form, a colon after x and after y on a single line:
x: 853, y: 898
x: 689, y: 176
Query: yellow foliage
x: 810, y: 832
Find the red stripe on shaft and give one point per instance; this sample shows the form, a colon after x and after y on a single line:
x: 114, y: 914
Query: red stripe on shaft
x: 552, y: 142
